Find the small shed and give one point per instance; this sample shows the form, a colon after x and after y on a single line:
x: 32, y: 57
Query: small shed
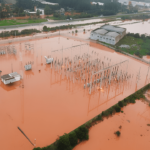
x: 49, y: 60
x: 10, y: 78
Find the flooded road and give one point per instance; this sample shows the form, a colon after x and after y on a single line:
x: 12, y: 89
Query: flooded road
x: 46, y: 103
x: 49, y: 24
x: 147, y: 58
x: 135, y: 133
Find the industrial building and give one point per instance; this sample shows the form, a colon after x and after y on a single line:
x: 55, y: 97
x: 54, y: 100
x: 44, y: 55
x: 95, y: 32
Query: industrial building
x: 108, y: 34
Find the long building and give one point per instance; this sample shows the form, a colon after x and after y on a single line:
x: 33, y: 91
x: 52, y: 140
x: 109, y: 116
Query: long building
x: 108, y: 34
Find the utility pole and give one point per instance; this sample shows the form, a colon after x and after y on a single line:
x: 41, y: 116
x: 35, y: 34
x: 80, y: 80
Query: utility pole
x: 0, y: 74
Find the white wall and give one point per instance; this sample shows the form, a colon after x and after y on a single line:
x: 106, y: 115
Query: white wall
x: 103, y: 38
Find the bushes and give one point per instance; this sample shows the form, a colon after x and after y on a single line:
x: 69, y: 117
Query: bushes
x: 117, y: 108
x: 46, y: 29
x: 30, y: 31
x: 64, y: 143
x: 121, y: 103
x: 99, y: 117
x: 73, y: 138
x: 117, y: 133
x: 82, y: 133
x: 17, y: 33
x: 89, y: 124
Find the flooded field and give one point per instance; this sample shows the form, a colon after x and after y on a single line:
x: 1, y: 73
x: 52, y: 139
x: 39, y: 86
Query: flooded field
x: 53, y: 99
x: 147, y: 58
x: 50, y: 24
x: 133, y: 125
x: 141, y: 28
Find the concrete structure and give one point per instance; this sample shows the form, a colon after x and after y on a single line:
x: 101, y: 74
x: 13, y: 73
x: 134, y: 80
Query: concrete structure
x: 49, y: 60
x: 28, y: 67
x: 108, y: 34
x: 95, y: 3
x: 46, y: 3
x: 41, y: 10
x: 61, y: 11
x: 10, y: 78
x: 134, y: 3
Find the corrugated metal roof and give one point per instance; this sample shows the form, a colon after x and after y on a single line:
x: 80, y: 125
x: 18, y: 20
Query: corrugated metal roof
x: 101, y: 31
x: 113, y: 34
x: 112, y: 28
x: 14, y: 74
x: 5, y: 76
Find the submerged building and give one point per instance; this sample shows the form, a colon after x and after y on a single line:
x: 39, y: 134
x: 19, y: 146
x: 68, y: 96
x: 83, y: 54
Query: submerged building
x: 10, y: 78
x: 108, y: 34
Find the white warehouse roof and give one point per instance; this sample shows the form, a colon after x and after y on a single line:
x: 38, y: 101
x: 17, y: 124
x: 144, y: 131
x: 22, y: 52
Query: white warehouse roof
x: 113, y: 28
x: 101, y: 31
x: 112, y: 34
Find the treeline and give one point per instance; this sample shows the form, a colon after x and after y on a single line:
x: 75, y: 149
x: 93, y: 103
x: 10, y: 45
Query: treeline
x: 70, y: 140
x: 137, y: 35
x: 46, y: 29
x: 141, y: 16
x: 4, y: 11
x: 18, y: 33
x: 82, y: 6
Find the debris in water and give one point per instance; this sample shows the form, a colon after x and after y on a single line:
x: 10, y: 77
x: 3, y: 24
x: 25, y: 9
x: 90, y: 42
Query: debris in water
x: 128, y: 121
x: 120, y: 127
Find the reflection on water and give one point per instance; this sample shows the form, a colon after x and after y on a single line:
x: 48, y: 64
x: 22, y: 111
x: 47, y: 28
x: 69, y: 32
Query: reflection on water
x: 47, y: 102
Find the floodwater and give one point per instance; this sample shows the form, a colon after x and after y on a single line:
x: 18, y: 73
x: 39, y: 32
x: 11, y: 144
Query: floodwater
x: 132, y: 123
x: 147, y: 58
x: 46, y: 103
x: 141, y: 28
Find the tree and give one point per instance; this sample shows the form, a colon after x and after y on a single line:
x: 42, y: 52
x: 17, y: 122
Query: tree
x: 45, y: 28
x: 38, y: 13
x: 117, y: 133
x: 25, y: 4
x: 120, y: 103
x: 64, y: 143
x: 73, y: 138
x: 47, y: 10
x: 82, y: 133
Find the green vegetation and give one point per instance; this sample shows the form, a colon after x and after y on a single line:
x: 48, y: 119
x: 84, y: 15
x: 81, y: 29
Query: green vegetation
x: 64, y: 143
x: 139, y: 45
x: 82, y: 133
x: 76, y: 31
x: 139, y: 16
x: 69, y: 141
x: 73, y: 138
x: 117, y: 133
x: 18, y: 22
x: 46, y: 29
x: 17, y: 33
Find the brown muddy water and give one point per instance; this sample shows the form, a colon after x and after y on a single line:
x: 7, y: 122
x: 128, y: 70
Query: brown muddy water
x: 133, y: 125
x: 46, y: 104
x: 141, y: 28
